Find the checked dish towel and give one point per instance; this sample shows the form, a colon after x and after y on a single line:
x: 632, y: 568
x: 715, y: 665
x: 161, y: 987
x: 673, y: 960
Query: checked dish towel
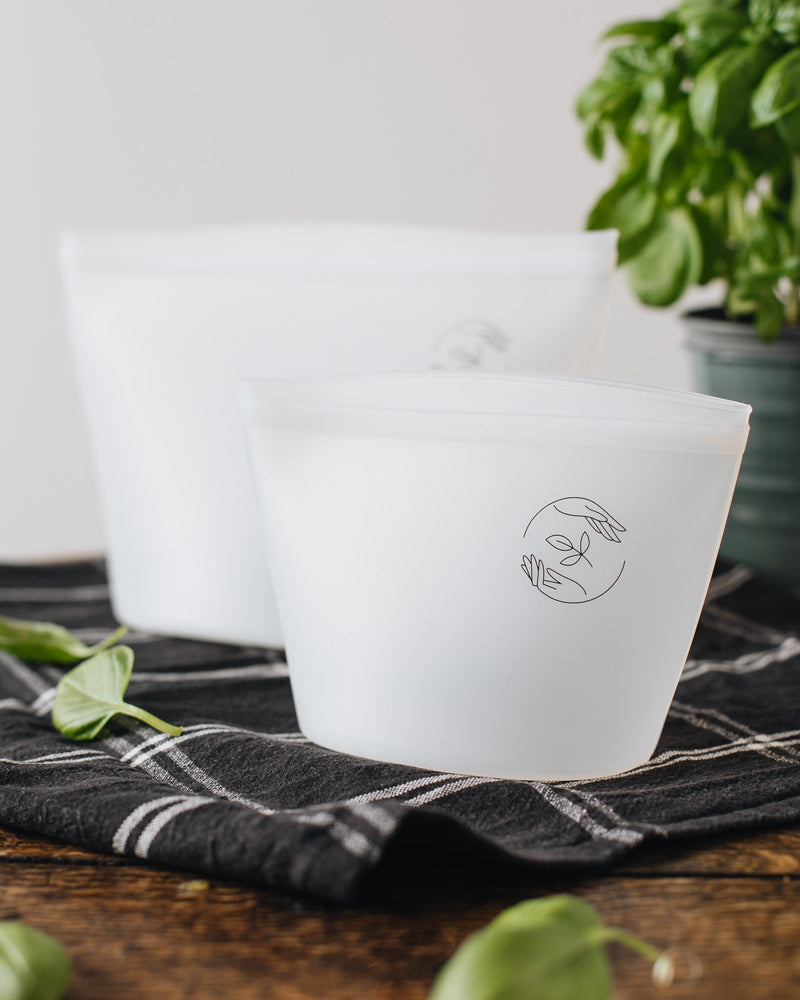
x: 242, y: 794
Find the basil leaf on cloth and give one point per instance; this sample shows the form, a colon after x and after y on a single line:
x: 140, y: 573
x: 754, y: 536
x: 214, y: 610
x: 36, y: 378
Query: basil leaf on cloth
x: 44, y: 642
x: 91, y: 694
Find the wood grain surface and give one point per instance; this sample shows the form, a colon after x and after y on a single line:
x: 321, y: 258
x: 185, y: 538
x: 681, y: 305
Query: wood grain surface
x: 134, y: 932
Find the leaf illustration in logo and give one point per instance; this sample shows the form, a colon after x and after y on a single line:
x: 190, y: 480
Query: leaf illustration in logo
x: 560, y: 542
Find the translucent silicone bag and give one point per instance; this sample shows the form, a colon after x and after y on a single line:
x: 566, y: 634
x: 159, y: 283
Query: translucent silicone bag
x: 164, y: 323
x: 490, y: 574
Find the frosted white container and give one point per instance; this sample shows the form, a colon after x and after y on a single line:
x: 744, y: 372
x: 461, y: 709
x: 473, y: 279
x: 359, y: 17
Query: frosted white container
x: 164, y: 323
x: 490, y: 574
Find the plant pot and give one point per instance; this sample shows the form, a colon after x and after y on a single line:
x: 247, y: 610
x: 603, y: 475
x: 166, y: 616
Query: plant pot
x: 729, y: 360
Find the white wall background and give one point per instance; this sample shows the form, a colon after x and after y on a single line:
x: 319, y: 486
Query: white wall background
x: 136, y: 113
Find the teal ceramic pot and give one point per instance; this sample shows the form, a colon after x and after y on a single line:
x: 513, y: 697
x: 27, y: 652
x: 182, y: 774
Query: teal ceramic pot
x: 729, y: 360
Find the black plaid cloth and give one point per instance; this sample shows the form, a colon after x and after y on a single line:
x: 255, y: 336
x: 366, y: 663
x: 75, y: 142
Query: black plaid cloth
x: 242, y: 794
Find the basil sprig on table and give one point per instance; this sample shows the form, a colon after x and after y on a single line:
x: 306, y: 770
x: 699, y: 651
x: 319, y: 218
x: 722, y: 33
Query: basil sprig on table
x: 551, y: 949
x: 33, y: 965
x: 89, y: 695
x: 45, y: 642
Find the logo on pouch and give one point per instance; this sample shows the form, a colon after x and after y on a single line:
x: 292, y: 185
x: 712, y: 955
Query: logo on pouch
x: 470, y: 343
x: 574, y: 551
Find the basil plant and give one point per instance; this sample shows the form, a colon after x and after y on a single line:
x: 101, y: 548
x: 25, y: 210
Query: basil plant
x: 704, y: 106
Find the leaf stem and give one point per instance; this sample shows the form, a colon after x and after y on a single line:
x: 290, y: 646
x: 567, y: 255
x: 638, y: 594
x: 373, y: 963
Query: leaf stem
x: 663, y: 971
x: 152, y: 720
x: 607, y: 934
x: 111, y: 640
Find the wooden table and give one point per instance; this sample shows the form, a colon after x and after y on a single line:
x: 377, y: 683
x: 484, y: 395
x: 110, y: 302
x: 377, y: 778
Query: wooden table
x: 135, y: 932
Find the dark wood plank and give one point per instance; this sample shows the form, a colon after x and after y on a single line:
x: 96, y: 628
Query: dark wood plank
x: 135, y: 932
x: 19, y: 846
x: 140, y: 933
x: 774, y: 852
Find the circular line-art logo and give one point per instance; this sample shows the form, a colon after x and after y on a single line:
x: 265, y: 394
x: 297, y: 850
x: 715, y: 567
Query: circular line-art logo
x: 470, y: 343
x: 575, y: 550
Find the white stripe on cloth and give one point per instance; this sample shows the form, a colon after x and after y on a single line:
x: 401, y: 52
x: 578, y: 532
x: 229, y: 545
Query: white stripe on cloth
x: 120, y: 745
x: 731, y: 623
x: 396, y: 792
x: 597, y: 803
x: 44, y: 702
x: 78, y: 759
x: 157, y: 824
x: 579, y: 815
x: 257, y: 671
x: 129, y: 824
x: 381, y: 820
x: 54, y: 595
x: 671, y: 757
x: 743, y: 728
x: 65, y: 756
x: 171, y: 806
x: 727, y: 583
x: 14, y: 704
x: 32, y: 679
x: 569, y: 809
x: 353, y: 840
x: 133, y: 637
x: 161, y: 742
x: 443, y: 791
x: 746, y: 664
x: 717, y: 722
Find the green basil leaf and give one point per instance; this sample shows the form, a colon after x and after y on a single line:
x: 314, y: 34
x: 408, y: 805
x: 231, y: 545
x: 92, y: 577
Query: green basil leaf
x: 713, y: 173
x: 689, y: 9
x: 762, y: 11
x: 91, y: 694
x: 44, y: 642
x: 628, y: 63
x: 769, y: 239
x: 719, y: 98
x: 746, y: 290
x: 787, y: 21
x: 751, y: 286
x: 629, y: 206
x: 769, y: 317
x: 791, y: 267
x: 670, y: 261
x: 606, y: 99
x: 561, y: 909
x: 710, y: 25
x: 780, y: 16
x: 713, y: 240
x: 656, y: 32
x: 33, y: 966
x: 548, y: 949
x: 594, y: 137
x: 668, y: 132
x: 778, y: 93
x: 547, y: 962
x: 788, y: 128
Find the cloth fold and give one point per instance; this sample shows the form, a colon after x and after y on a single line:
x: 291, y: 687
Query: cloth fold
x: 242, y: 794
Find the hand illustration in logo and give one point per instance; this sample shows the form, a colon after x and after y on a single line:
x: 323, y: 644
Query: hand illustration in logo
x: 578, y: 555
x: 470, y: 343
